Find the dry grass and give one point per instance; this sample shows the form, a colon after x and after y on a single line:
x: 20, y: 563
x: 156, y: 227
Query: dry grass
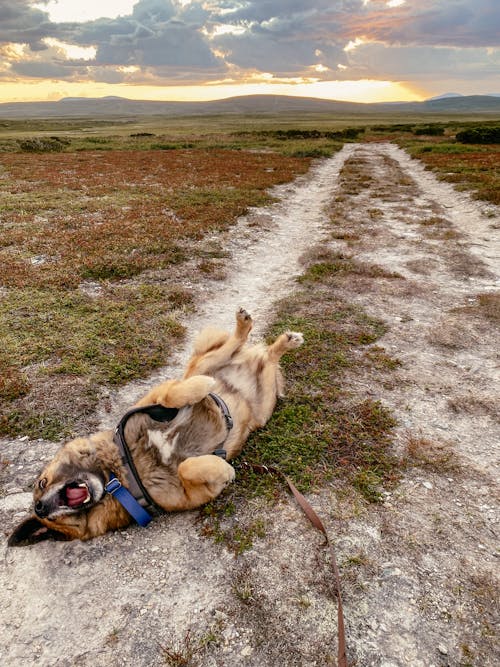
x: 110, y: 215
x: 463, y: 264
x: 476, y: 405
x: 453, y: 333
x: 488, y: 305
x: 429, y: 454
x: 90, y: 245
x: 485, y: 305
x: 422, y: 266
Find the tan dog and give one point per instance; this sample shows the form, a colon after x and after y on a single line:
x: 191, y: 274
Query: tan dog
x: 174, y: 460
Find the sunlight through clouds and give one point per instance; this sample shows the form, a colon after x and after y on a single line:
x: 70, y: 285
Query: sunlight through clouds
x: 68, y: 10
x: 353, y: 44
x: 71, y: 51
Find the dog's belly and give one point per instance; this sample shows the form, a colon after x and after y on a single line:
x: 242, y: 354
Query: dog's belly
x: 237, y: 381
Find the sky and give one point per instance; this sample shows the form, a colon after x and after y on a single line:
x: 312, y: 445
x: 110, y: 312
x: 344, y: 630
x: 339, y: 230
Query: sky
x: 360, y: 50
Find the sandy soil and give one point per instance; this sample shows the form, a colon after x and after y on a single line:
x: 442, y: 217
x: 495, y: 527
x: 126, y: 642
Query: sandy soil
x: 418, y: 569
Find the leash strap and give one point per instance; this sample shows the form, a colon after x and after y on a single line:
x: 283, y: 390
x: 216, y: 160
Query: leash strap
x: 127, y: 500
x: 318, y: 524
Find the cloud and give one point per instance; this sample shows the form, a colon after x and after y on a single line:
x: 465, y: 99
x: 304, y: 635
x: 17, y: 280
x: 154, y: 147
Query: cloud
x: 459, y: 23
x: 161, y: 37
x: 162, y: 41
x: 22, y: 24
x: 158, y: 34
x: 45, y: 70
x: 420, y: 63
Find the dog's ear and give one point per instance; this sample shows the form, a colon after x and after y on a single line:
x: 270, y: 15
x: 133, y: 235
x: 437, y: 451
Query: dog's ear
x: 178, y: 393
x: 31, y: 531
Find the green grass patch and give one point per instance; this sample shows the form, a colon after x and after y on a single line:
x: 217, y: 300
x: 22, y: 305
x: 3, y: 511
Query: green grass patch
x: 53, y: 340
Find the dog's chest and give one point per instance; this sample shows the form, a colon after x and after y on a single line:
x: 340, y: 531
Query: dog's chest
x: 164, y: 441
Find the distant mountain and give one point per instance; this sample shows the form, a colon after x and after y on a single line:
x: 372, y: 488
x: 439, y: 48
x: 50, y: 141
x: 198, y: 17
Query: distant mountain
x: 120, y: 107
x: 444, y: 96
x: 464, y: 104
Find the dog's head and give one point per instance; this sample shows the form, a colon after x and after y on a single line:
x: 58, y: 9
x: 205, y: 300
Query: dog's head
x: 65, y: 493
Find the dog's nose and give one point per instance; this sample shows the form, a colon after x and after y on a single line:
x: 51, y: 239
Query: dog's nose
x: 41, y: 510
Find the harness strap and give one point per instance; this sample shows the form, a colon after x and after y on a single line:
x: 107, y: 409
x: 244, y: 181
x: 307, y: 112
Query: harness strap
x: 220, y: 451
x: 135, y: 497
x: 138, y: 491
x: 127, y: 500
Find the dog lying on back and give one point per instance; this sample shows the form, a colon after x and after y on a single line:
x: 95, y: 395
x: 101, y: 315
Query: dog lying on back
x: 174, y: 459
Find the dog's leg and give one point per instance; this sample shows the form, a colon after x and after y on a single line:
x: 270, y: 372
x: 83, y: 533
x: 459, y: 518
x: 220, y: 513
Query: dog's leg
x: 214, y: 359
x: 287, y: 341
x: 270, y: 379
x: 178, y: 393
x: 204, y: 478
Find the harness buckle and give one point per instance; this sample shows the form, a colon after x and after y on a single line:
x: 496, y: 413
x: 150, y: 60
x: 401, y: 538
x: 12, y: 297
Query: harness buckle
x: 113, y: 486
x: 220, y: 452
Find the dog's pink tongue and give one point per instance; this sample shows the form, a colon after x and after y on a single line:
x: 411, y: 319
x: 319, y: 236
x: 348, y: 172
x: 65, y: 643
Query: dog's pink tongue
x: 76, y: 496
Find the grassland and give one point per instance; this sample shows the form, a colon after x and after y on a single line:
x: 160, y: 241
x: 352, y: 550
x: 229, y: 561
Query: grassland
x: 78, y: 229
x: 104, y: 223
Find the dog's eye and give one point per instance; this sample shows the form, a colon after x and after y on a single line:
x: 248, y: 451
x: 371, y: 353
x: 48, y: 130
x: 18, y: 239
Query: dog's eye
x: 42, y: 483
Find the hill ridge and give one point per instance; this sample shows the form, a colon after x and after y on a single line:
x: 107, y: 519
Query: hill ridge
x: 73, y: 107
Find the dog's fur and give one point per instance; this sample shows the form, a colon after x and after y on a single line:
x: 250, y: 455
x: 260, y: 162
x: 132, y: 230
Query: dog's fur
x: 174, y: 459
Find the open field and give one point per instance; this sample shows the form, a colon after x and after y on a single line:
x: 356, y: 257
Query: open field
x: 106, y: 237
x: 78, y: 229
x: 115, y: 238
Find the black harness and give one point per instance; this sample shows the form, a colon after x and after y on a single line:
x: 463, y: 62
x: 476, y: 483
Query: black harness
x: 158, y: 413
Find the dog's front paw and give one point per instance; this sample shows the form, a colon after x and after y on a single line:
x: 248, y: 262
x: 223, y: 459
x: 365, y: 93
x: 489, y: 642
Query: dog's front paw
x: 295, y: 339
x: 231, y: 474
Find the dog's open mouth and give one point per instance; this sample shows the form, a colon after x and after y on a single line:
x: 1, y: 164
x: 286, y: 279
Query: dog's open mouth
x: 75, y: 495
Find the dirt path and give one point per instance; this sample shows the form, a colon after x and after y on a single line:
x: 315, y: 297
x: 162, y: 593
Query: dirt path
x: 418, y: 569
x: 429, y: 577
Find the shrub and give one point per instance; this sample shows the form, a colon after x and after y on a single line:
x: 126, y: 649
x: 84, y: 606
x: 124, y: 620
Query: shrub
x: 479, y: 135
x: 396, y: 127
x: 43, y: 145
x: 429, y: 130
x: 285, y: 135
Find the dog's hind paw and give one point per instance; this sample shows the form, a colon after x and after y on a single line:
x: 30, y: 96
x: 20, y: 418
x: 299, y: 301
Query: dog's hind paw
x: 295, y: 339
x: 244, y: 323
x: 243, y: 315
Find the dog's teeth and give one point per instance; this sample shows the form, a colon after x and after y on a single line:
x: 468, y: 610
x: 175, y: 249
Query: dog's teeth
x: 82, y: 485
x: 87, y: 500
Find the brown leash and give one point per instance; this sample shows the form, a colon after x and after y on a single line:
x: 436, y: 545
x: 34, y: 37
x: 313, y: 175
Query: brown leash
x: 318, y: 524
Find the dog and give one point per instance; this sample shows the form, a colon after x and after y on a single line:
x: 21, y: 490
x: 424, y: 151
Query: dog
x: 226, y: 379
